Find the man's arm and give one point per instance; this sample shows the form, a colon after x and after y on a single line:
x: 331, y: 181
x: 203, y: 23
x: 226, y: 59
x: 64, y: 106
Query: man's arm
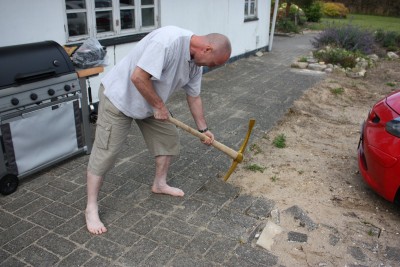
x: 196, y: 108
x: 142, y: 81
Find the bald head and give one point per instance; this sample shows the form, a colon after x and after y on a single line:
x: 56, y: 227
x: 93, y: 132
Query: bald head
x: 220, y: 43
x: 210, y: 50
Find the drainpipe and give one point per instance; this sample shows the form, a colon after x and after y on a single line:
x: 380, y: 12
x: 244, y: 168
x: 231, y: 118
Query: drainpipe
x: 271, y: 35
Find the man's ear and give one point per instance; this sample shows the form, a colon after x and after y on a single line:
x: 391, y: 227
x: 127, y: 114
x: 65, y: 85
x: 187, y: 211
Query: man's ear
x: 208, y: 49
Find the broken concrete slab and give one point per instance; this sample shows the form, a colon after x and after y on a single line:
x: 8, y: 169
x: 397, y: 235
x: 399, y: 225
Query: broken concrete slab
x: 266, y: 239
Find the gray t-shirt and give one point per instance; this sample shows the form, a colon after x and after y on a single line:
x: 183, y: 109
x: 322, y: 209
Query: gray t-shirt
x: 163, y: 53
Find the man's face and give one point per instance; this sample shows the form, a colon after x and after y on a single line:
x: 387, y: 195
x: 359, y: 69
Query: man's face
x: 209, y: 59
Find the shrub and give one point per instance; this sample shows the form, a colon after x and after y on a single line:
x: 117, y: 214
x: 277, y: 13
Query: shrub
x: 349, y: 37
x: 287, y: 25
x: 337, y: 56
x: 314, y: 12
x: 335, y: 10
x: 389, y: 40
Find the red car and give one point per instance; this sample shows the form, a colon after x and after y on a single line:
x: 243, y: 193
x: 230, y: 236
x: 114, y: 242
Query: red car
x: 379, y: 148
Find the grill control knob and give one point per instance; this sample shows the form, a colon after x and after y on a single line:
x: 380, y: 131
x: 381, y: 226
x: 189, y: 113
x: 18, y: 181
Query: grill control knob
x: 51, y: 92
x: 34, y: 96
x: 15, y: 101
x: 67, y: 87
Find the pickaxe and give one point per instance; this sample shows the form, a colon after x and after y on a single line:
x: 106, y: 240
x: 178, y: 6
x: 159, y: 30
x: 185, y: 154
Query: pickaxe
x: 236, y: 156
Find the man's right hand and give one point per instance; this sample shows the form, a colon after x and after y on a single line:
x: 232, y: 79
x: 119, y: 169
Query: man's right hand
x: 162, y: 113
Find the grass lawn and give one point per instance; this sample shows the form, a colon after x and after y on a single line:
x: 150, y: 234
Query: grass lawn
x: 365, y: 21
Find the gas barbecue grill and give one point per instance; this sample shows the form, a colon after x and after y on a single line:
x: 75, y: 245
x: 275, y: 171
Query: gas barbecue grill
x: 40, y: 111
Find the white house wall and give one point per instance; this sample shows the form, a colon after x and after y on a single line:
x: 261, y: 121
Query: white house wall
x: 28, y: 21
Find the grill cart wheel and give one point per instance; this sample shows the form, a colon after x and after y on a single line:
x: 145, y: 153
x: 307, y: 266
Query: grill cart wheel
x: 8, y: 184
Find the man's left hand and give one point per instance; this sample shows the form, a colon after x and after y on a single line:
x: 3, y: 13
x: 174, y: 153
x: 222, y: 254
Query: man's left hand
x: 210, y: 140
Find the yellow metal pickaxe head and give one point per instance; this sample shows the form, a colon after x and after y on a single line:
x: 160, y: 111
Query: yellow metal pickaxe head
x: 239, y: 157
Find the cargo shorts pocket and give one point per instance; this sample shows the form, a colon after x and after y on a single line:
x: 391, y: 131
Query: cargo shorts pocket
x: 103, y: 131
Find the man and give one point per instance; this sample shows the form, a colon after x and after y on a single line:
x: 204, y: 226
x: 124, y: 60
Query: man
x: 137, y: 88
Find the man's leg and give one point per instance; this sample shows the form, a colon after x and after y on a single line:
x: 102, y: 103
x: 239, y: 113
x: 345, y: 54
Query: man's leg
x: 160, y: 185
x: 93, y: 223
x: 111, y: 132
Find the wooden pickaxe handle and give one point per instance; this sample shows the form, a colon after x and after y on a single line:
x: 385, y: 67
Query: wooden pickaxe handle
x: 237, y: 156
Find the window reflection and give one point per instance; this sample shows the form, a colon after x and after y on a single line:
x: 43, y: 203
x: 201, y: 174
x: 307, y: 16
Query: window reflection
x: 104, y: 21
x: 147, y: 17
x: 147, y: 2
x: 102, y: 3
x: 127, y: 2
x: 75, y: 4
x: 77, y: 24
x: 127, y: 19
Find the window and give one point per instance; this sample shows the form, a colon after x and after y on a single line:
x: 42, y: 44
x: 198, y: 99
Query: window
x: 250, y: 10
x: 104, y: 19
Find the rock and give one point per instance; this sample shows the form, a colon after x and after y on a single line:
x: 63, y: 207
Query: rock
x: 312, y: 60
x: 299, y: 65
x: 314, y: 66
x: 373, y: 57
x: 259, y: 54
x: 266, y: 238
x: 328, y: 70
x: 357, y: 74
x: 275, y: 216
x: 392, y: 55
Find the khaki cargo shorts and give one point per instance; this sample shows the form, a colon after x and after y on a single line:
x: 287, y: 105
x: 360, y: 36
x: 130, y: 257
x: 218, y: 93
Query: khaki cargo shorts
x: 112, y: 129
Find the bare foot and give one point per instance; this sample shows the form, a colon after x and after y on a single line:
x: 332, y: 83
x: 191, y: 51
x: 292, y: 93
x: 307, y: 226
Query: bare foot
x: 93, y: 223
x: 168, y: 190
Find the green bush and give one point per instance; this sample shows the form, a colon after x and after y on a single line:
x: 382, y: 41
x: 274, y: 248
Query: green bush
x: 287, y: 25
x: 335, y: 10
x: 314, y: 12
x: 389, y: 40
x: 337, y: 56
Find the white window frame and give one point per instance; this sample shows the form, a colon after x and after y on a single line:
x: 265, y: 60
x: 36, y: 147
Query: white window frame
x: 116, y: 31
x: 250, y: 15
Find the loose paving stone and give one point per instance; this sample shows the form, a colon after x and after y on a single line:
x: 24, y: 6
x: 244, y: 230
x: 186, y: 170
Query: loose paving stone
x: 357, y: 253
x: 61, y: 210
x: 186, y: 209
x: 297, y: 237
x: 393, y: 253
x: 184, y: 260
x: 71, y: 226
x: 299, y: 214
x: 46, y: 220
x: 20, y: 202
x: 131, y: 217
